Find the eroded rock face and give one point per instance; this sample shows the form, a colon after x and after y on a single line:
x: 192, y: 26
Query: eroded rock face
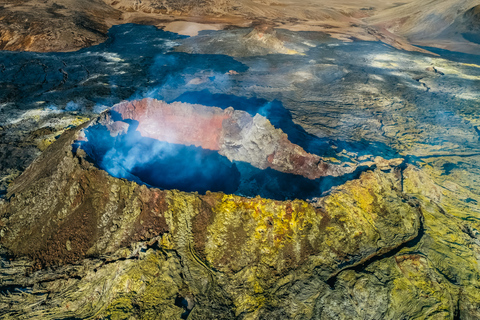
x: 178, y: 123
x: 342, y: 229
x: 172, y: 7
x: 233, y: 133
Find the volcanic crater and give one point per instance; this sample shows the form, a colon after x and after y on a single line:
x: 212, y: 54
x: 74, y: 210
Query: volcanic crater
x: 191, y: 147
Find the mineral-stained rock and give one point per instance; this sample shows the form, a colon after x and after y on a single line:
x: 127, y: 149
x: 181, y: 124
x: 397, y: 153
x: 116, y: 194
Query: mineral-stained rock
x: 232, y: 252
x: 179, y: 123
x: 233, y: 133
x: 263, y: 40
x: 22, y: 141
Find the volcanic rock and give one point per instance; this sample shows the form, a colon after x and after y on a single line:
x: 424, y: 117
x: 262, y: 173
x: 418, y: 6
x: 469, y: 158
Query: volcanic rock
x: 401, y: 241
x: 263, y: 39
x: 54, y: 25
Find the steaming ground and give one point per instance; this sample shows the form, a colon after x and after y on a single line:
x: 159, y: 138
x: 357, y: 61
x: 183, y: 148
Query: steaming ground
x: 347, y: 100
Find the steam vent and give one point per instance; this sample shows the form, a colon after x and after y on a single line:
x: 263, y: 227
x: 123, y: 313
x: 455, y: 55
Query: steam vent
x: 247, y: 160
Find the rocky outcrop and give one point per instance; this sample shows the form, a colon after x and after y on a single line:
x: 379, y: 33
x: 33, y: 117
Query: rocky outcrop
x: 173, y: 7
x: 233, y: 133
x: 21, y: 142
x: 263, y: 39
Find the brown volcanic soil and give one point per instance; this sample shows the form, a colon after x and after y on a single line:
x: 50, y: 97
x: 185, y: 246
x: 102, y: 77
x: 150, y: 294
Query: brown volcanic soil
x: 66, y: 25
x: 46, y: 26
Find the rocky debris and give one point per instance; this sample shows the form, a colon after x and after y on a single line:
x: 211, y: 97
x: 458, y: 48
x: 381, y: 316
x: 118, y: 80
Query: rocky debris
x: 233, y: 133
x: 434, y: 70
x: 172, y: 7
x: 227, y: 253
x: 68, y: 292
